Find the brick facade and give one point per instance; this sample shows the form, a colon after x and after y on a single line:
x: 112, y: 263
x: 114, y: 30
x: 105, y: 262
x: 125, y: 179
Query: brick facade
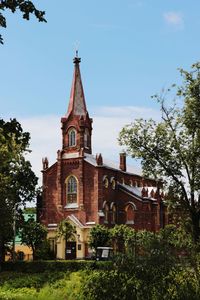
x: 88, y: 190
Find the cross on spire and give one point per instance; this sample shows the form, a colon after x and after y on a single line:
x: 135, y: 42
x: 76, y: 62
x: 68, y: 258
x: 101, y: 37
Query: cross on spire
x: 76, y: 59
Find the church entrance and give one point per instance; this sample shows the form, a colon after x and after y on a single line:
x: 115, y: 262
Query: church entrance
x: 70, y: 250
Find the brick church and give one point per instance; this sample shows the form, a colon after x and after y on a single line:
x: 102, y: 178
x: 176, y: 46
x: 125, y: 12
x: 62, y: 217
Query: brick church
x: 87, y: 190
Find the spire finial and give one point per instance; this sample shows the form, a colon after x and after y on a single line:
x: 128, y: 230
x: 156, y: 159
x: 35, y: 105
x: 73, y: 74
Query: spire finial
x: 76, y: 59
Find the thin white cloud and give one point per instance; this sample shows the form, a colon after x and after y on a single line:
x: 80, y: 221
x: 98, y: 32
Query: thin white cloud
x: 45, y: 139
x: 174, y: 19
x: 107, y: 122
x: 127, y: 112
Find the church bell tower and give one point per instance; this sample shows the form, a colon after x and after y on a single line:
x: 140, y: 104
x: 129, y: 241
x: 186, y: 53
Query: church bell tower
x: 76, y: 124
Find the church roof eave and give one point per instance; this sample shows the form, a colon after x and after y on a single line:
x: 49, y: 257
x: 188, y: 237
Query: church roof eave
x: 134, y: 192
x: 89, y: 158
x: 77, y: 222
x: 123, y: 189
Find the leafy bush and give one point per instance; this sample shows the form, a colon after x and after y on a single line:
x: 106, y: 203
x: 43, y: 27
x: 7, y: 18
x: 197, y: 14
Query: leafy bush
x: 44, y: 252
x: 150, y: 269
x: 109, y: 285
x: 99, y: 236
x: 128, y: 281
x: 13, y: 280
x: 19, y: 294
x: 68, y: 288
x: 59, y: 266
x: 182, y: 284
x: 23, y: 287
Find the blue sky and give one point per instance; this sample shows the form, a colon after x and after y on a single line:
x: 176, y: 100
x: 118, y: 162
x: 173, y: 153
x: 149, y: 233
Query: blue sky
x: 130, y: 50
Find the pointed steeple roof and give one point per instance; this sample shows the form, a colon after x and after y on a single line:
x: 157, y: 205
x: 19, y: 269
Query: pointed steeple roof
x: 77, y: 119
x: 77, y: 104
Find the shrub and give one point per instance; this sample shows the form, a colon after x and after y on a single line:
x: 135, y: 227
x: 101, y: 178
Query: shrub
x: 13, y: 280
x: 109, y: 285
x: 19, y: 294
x: 68, y: 286
x: 182, y: 284
x: 99, y: 236
x: 52, y: 266
x: 44, y: 252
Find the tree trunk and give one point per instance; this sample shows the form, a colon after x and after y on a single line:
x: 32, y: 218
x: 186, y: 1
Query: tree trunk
x: 33, y: 250
x: 2, y: 251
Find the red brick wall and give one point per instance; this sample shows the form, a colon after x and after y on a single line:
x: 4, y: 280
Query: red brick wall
x: 92, y: 195
x: 79, y: 125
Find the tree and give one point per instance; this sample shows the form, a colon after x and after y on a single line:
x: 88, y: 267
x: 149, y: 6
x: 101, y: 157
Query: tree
x: 33, y: 235
x: 66, y: 230
x: 25, y: 7
x: 99, y: 236
x: 123, y: 238
x: 170, y: 148
x: 17, y: 180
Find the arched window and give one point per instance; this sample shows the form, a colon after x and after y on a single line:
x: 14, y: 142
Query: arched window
x: 113, y: 216
x: 113, y: 183
x: 130, y: 214
x: 86, y: 138
x: 71, y: 190
x: 106, y: 213
x: 105, y: 181
x: 72, y: 137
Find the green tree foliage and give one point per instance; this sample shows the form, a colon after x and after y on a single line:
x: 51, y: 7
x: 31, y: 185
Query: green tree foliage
x: 180, y: 284
x: 33, y: 235
x: 109, y: 285
x: 66, y: 230
x: 171, y: 148
x: 145, y: 281
x: 17, y: 180
x: 99, y: 236
x: 156, y: 272
x: 123, y: 238
x: 27, y: 8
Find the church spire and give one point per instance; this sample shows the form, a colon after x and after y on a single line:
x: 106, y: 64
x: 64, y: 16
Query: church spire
x: 77, y: 104
x: 76, y: 124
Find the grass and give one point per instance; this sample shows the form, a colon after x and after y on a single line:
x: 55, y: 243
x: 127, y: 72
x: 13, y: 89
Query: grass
x: 51, y: 286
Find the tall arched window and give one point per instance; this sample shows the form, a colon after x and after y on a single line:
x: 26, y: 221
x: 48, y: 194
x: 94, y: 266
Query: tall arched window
x: 130, y: 214
x: 86, y: 138
x: 71, y: 190
x: 106, y: 213
x: 113, y: 220
x: 72, y: 137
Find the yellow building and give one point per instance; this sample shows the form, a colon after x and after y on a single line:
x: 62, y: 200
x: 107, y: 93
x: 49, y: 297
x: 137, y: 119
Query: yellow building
x: 76, y: 247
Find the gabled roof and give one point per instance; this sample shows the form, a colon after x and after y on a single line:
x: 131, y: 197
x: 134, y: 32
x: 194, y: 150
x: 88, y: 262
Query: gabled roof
x: 111, y: 165
x: 75, y: 220
x: 78, y: 223
x: 127, y: 190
